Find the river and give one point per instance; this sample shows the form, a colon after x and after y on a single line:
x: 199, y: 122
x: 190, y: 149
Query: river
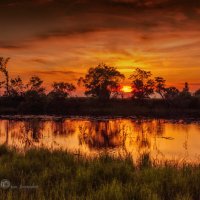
x: 161, y: 139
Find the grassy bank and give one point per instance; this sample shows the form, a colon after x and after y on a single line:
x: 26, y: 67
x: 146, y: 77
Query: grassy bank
x: 61, y: 175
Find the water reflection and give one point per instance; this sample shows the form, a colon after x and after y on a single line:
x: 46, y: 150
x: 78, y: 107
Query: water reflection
x: 161, y: 139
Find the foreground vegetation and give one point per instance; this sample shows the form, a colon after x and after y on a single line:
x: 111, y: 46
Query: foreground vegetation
x: 62, y: 175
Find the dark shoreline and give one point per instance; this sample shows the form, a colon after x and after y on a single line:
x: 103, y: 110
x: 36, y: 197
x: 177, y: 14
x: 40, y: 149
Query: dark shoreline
x: 150, y: 108
x: 96, y: 118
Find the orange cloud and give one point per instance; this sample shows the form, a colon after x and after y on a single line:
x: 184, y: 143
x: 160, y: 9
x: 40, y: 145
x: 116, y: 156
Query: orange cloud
x: 55, y: 37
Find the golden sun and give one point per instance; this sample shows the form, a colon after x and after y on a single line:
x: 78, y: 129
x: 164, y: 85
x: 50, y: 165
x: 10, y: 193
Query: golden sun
x: 126, y: 89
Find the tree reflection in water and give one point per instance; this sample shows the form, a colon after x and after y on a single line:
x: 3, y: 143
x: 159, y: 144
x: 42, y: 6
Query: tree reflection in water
x: 157, y: 138
x: 31, y: 132
x: 100, y: 134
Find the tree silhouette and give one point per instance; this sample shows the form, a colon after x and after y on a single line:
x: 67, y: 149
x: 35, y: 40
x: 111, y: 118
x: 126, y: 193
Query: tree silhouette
x: 142, y: 84
x: 160, y: 86
x: 171, y: 93
x: 186, y: 87
x: 101, y: 81
x: 2, y: 83
x: 186, y: 91
x: 4, y: 70
x: 17, y: 87
x: 62, y: 89
x: 197, y: 93
x: 34, y: 100
x: 35, y: 84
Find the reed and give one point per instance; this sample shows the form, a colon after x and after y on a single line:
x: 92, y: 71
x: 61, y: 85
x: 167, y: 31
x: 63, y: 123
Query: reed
x: 62, y: 175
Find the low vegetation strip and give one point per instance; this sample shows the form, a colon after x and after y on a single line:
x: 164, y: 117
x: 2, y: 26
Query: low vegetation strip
x: 94, y: 107
x: 43, y: 174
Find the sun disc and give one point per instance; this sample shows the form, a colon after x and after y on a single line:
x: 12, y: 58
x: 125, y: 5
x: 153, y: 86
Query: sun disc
x: 126, y: 89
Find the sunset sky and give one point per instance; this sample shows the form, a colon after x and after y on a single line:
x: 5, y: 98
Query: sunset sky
x: 60, y: 39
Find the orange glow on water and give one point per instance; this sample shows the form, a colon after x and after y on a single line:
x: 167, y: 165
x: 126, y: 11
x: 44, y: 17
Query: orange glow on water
x: 126, y: 89
x: 160, y: 139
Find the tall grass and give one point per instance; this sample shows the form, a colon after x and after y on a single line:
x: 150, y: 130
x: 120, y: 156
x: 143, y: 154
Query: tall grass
x: 63, y: 175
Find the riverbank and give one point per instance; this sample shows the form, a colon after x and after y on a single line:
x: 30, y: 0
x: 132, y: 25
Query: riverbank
x: 156, y: 108
x: 61, y: 118
x: 62, y: 175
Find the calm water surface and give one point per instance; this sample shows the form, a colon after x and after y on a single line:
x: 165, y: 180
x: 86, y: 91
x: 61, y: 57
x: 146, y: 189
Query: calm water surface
x: 161, y: 139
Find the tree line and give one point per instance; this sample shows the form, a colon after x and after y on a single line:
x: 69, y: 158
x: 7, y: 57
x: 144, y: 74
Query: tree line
x: 102, y: 82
